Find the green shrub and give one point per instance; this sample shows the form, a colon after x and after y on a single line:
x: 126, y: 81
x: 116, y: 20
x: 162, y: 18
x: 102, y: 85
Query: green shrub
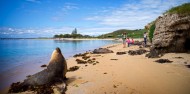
x: 183, y: 9
x: 151, y: 32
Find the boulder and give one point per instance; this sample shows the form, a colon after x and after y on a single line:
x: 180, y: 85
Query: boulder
x: 153, y: 54
x: 188, y: 66
x: 44, y: 65
x: 102, y: 51
x: 81, y: 61
x: 163, y: 61
x: 120, y: 53
x: 74, y: 68
x: 137, y: 52
x: 138, y: 43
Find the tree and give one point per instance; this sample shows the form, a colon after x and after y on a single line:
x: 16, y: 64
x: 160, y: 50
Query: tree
x: 56, y: 36
x: 61, y: 35
x: 67, y: 36
x: 74, y: 31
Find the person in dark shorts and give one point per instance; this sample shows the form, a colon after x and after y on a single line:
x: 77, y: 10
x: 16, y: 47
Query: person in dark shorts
x: 145, y: 38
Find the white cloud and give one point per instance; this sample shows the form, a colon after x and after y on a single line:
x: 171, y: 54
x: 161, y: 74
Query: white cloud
x: 70, y: 6
x: 108, y: 19
x: 10, y: 29
x: 50, y: 32
x: 64, y: 10
x: 135, y: 15
x: 34, y: 1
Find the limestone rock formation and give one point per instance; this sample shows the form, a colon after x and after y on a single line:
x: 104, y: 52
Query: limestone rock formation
x: 172, y: 33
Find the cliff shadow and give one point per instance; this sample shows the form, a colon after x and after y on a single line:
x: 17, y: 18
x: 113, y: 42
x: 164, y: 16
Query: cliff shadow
x: 187, y: 44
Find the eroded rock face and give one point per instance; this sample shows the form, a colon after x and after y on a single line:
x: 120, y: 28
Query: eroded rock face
x: 172, y: 33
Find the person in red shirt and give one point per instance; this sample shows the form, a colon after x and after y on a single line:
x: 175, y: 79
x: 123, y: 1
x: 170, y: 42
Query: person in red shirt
x: 132, y: 41
x: 128, y: 42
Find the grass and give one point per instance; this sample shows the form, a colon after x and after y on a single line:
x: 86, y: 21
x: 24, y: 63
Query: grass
x: 183, y: 9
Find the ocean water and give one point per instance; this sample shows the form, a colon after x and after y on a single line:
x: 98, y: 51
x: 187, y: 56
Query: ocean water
x: 18, y: 52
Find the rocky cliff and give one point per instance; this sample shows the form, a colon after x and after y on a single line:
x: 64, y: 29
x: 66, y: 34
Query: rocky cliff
x: 172, y: 33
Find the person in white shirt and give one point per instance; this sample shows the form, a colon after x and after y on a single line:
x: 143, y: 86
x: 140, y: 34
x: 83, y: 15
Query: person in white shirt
x: 124, y: 36
x: 145, y: 38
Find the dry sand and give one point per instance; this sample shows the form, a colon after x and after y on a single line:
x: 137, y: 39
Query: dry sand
x: 130, y: 74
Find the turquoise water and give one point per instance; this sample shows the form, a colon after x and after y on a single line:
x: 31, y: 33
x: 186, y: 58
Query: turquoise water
x: 24, y: 51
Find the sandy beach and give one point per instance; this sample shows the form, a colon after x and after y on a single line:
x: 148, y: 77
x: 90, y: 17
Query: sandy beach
x: 126, y: 74
x: 95, y: 47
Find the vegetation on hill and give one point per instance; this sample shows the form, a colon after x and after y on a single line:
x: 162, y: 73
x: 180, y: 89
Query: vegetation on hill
x: 130, y: 33
x: 72, y: 36
x: 138, y: 33
x: 183, y: 9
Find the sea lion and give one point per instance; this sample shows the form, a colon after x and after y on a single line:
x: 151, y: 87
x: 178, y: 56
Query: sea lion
x: 58, y: 58
x: 42, y: 81
x: 56, y: 70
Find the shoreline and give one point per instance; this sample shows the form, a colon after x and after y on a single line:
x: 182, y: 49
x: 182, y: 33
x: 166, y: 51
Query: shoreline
x: 83, y: 39
x: 59, y: 38
x: 129, y: 74
x: 116, y: 39
x: 17, y: 74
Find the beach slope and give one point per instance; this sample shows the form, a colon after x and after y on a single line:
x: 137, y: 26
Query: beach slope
x: 126, y: 74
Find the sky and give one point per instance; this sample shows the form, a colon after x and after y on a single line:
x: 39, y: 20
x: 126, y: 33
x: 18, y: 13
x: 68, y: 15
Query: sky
x: 45, y: 18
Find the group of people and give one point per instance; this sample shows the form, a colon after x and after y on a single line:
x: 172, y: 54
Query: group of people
x: 126, y: 40
x: 131, y: 41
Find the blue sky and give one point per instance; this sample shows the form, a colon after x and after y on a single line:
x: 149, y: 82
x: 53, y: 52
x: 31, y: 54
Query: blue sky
x: 45, y: 18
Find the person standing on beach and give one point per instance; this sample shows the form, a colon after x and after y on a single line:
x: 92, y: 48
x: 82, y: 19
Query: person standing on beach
x: 128, y: 42
x: 145, y: 38
x: 132, y: 41
x: 124, y: 36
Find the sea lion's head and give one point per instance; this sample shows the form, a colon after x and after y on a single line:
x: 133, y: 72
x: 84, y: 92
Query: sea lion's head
x: 58, y: 50
x: 57, y: 55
